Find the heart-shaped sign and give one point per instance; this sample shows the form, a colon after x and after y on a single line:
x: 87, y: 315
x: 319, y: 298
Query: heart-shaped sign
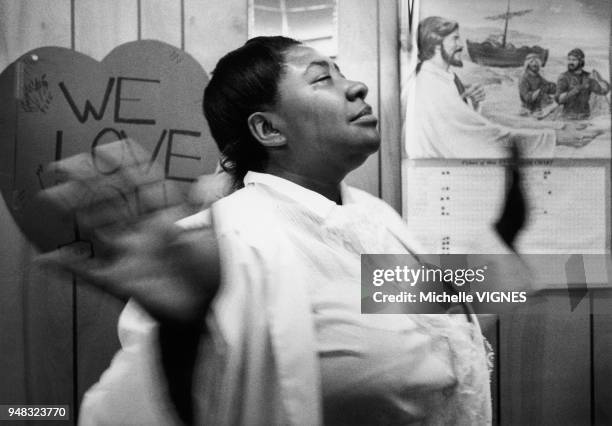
x: 56, y: 103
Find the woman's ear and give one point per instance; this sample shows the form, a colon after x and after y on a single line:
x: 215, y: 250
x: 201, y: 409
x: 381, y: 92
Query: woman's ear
x: 262, y: 129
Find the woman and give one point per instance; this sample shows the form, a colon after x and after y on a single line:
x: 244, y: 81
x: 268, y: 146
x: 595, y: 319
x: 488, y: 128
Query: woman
x: 262, y: 315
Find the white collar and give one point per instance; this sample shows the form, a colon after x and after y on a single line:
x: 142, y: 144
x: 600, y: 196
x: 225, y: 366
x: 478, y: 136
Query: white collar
x: 311, y: 200
x: 429, y: 67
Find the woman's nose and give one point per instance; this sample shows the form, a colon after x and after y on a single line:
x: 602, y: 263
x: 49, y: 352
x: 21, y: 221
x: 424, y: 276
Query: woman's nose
x: 356, y: 90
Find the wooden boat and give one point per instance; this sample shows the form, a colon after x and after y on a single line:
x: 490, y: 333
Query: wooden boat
x: 495, y: 53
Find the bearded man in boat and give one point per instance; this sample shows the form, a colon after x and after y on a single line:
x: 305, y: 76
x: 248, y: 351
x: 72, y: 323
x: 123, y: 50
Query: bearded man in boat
x: 575, y: 86
x: 441, y: 121
x: 534, y: 89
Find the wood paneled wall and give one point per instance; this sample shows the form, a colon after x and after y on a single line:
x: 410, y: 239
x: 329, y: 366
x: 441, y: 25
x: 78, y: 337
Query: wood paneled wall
x: 56, y: 336
x: 36, y: 329
x: 544, y: 362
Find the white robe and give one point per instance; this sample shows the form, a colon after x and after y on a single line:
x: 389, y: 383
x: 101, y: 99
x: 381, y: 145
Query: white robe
x: 438, y: 124
x: 279, y: 243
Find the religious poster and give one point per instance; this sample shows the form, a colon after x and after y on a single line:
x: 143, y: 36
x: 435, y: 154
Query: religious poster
x: 479, y: 77
x: 535, y: 74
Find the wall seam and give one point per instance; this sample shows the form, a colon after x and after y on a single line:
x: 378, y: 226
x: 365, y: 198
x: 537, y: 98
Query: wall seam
x: 139, y: 19
x: 182, y: 24
x: 380, y: 109
x: 75, y: 343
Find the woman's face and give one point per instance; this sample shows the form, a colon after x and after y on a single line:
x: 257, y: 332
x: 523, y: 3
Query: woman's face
x: 322, y: 115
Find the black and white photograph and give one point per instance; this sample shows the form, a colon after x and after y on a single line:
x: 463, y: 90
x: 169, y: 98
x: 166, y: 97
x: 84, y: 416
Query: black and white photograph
x: 305, y: 212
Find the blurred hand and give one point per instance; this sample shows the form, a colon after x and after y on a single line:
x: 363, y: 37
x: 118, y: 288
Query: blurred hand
x: 474, y: 92
x: 140, y: 252
x: 535, y: 94
x: 514, y: 214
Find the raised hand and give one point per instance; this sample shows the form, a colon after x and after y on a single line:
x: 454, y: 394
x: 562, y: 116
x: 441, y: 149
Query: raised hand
x: 596, y: 75
x: 139, y: 251
x: 514, y: 214
x: 474, y: 92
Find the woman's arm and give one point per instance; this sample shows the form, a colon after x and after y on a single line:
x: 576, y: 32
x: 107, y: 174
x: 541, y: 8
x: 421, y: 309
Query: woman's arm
x: 171, y: 272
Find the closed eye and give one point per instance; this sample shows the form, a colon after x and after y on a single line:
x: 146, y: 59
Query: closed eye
x: 322, y: 78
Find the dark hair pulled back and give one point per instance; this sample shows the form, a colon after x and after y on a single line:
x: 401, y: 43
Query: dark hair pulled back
x: 243, y: 82
x: 432, y: 31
